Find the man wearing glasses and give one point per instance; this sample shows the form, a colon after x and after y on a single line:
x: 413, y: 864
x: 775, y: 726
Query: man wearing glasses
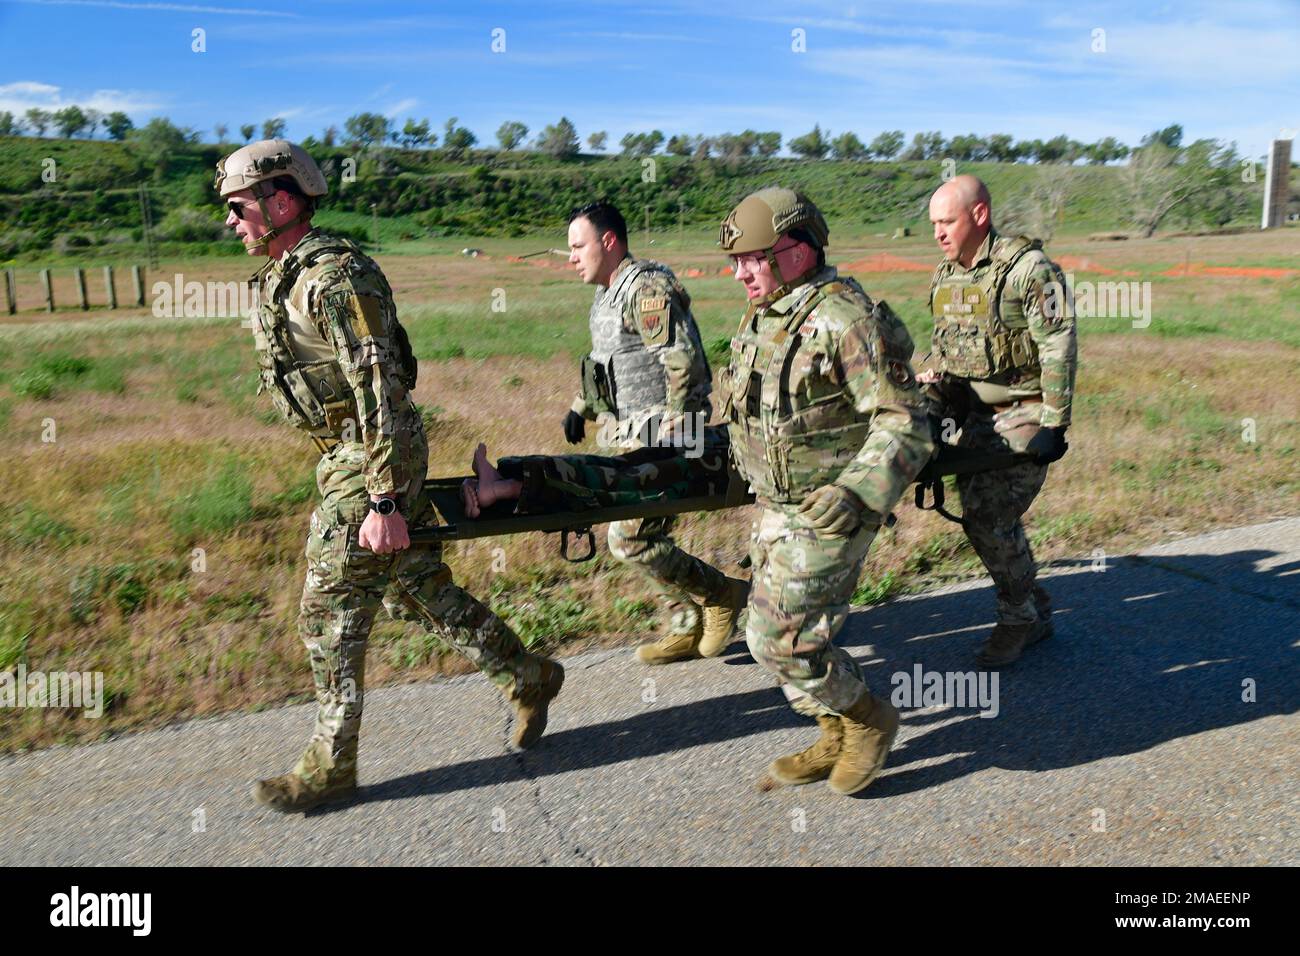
x: 829, y: 428
x: 338, y: 366
x: 647, y: 368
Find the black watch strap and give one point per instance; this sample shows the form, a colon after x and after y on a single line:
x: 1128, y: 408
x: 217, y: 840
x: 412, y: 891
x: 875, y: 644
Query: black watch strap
x: 385, y: 506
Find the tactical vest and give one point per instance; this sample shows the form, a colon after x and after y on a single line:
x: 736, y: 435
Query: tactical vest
x: 977, y: 333
x: 312, y: 396
x: 786, y: 451
x: 633, y: 379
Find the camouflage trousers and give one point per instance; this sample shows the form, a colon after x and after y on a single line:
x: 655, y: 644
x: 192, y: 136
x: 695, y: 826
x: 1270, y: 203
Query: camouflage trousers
x: 680, y: 580
x: 803, y: 581
x: 346, y: 584
x: 993, y: 503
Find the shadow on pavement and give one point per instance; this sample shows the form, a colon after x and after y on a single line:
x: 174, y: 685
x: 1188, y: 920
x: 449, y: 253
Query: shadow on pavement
x: 1147, y: 651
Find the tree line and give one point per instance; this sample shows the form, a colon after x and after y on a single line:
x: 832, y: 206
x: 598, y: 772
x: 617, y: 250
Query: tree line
x: 561, y: 140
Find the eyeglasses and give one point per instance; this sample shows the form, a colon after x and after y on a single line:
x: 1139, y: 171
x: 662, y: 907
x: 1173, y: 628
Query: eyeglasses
x: 755, y: 260
x: 237, y: 208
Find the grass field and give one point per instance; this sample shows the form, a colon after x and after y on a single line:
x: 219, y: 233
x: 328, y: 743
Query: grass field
x: 158, y: 537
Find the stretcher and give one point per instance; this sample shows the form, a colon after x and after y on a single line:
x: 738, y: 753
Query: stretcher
x: 501, y: 519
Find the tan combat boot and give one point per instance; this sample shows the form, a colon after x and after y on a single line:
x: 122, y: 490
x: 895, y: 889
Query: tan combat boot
x: 314, y: 781
x: 815, y: 763
x: 673, y: 647
x: 870, y: 727
x: 720, y: 619
x: 532, y: 702
x: 1008, y: 641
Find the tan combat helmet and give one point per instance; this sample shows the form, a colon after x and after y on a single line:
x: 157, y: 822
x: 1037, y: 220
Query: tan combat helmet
x: 759, y: 221
x: 255, y: 165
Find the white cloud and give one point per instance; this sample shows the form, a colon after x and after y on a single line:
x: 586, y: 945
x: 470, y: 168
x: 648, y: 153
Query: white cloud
x: 401, y: 106
x: 29, y: 94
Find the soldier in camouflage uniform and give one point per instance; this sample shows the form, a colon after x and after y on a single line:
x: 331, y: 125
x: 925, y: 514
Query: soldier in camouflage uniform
x: 338, y: 365
x: 828, y: 427
x: 647, y: 369
x: 1003, y: 364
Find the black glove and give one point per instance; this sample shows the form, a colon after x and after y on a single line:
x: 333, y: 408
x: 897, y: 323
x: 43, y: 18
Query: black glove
x: 575, y: 427
x: 1048, y: 445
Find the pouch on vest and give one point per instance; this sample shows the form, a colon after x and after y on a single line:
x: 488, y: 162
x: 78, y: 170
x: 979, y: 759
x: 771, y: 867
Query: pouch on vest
x: 596, y: 391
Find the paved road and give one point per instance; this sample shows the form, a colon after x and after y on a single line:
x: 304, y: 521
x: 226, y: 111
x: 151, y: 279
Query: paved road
x: 1124, y: 739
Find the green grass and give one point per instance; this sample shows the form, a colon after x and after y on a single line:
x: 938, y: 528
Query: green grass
x: 219, y: 504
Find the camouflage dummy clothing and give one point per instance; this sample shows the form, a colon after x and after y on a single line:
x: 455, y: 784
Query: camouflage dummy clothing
x: 647, y: 366
x: 585, y: 482
x: 819, y: 392
x: 337, y: 364
x: 1004, y: 339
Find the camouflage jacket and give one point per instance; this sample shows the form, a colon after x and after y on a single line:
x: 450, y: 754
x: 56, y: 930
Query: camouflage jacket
x: 1006, y: 326
x: 819, y: 390
x: 648, y: 349
x: 333, y: 357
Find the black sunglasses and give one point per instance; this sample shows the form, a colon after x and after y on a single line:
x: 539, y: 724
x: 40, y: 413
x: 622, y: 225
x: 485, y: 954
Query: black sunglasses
x: 237, y: 208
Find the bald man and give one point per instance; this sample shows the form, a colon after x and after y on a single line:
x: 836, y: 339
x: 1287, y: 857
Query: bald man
x: 1001, y: 369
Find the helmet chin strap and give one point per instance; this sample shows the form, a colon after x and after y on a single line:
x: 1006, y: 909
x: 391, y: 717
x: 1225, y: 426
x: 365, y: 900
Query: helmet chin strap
x: 265, y: 240
x: 784, y: 288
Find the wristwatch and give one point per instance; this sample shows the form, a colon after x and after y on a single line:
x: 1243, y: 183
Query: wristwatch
x: 385, y: 506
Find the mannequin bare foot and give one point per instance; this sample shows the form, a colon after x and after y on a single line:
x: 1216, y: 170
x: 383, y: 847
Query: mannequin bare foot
x: 469, y: 497
x: 491, y: 487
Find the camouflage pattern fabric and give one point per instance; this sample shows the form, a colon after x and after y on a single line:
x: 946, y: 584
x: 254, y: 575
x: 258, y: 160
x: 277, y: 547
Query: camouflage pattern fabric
x: 643, y: 333
x: 994, y: 502
x: 1005, y: 335
x: 820, y: 390
x: 799, y: 600
x: 332, y: 355
x: 1007, y: 326
x: 338, y: 366
x: 346, y: 584
x: 680, y: 580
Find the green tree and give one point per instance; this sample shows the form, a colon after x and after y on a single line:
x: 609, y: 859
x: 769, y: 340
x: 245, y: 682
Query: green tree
x: 70, y: 121
x: 415, y: 134
x: 247, y: 131
x: 273, y: 128
x: 887, y: 145
x: 457, y: 140
x: 1105, y: 150
x: 511, y: 133
x: 968, y: 148
x: 118, y: 124
x: 221, y: 129
x: 811, y: 145
x: 925, y: 146
x: 8, y: 125
x: 160, y: 141
x: 680, y: 145
x: 848, y: 146
x: 641, y: 144
x: 38, y: 120
x: 559, y: 140
x: 330, y: 136
x: 1000, y: 148
x: 1171, y: 136
x: 597, y: 141
x: 366, y: 129
x: 768, y: 143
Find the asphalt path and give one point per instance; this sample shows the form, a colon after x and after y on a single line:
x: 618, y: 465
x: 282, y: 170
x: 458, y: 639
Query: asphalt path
x: 1158, y: 727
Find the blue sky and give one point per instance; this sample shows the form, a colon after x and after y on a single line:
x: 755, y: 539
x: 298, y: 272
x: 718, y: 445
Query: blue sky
x: 1224, y: 70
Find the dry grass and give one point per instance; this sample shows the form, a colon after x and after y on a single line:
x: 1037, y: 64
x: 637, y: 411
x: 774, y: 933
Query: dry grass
x: 97, y: 548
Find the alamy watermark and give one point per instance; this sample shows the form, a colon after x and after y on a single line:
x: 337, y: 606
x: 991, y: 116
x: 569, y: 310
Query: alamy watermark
x: 201, y: 300
x: 82, y: 690
x: 1106, y: 299
x: 921, y: 688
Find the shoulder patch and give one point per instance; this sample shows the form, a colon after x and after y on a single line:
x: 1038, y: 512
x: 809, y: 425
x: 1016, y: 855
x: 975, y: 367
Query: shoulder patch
x: 367, y: 316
